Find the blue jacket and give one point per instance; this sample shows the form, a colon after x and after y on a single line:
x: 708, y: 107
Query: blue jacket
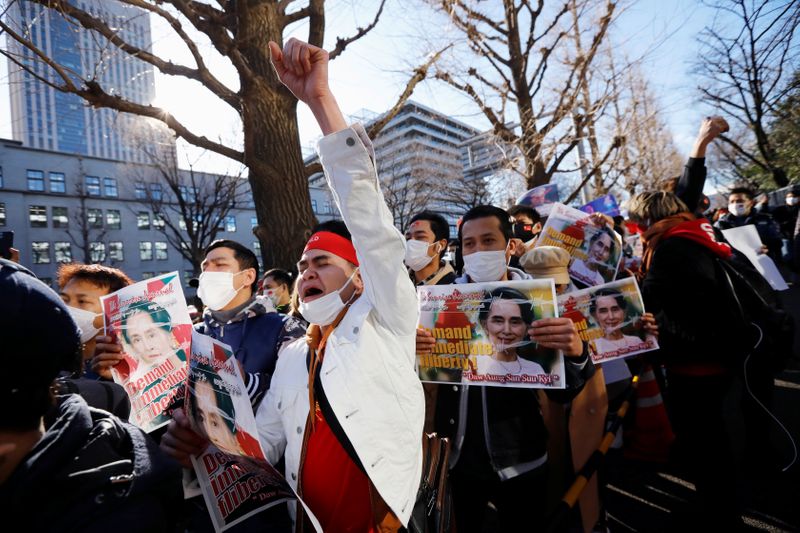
x: 256, y: 335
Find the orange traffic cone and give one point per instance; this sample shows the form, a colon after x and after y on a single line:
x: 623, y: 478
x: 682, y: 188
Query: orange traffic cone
x: 651, y: 435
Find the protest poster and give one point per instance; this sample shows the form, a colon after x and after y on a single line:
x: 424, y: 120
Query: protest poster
x: 540, y: 198
x: 746, y: 240
x: 633, y: 251
x: 595, y: 251
x: 235, y: 477
x: 151, y: 322
x: 606, y: 204
x: 609, y: 318
x: 482, y: 333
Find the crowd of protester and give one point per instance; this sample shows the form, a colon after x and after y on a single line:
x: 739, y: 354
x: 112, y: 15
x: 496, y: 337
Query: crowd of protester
x: 328, y: 359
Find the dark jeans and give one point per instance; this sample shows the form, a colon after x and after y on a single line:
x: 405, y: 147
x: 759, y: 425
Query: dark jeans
x: 520, y: 501
x: 696, y: 408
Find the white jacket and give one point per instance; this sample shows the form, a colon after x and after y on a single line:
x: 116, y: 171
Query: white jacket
x: 368, y: 372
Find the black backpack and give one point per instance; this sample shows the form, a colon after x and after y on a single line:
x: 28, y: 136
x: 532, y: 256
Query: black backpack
x: 767, y: 329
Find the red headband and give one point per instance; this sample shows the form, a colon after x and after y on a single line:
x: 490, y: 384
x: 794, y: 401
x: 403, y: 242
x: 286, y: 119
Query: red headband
x: 333, y: 243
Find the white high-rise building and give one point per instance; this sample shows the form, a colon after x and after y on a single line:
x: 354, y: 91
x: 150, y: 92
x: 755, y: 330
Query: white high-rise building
x: 45, y: 118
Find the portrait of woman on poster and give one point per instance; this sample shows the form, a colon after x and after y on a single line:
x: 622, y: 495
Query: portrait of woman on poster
x: 602, y: 247
x: 506, y: 316
x: 210, y: 405
x: 609, y: 309
x: 146, y: 329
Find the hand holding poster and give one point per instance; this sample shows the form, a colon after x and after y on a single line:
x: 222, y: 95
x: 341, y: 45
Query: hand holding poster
x: 235, y: 477
x: 595, y: 250
x: 152, y: 323
x: 483, y: 334
x: 609, y: 318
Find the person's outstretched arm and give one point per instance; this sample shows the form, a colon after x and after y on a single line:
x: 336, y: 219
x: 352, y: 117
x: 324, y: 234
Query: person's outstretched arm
x: 346, y: 157
x: 690, y: 185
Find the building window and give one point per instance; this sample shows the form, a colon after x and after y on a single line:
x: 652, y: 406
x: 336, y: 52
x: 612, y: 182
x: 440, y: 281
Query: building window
x: 257, y: 251
x: 113, y: 219
x: 97, y: 252
x: 327, y: 206
x: 195, y: 225
x: 155, y: 191
x: 58, y: 183
x: 158, y: 221
x: 41, y: 252
x: 145, y: 251
x: 143, y: 220
x: 37, y: 214
x: 63, y: 252
x: 189, y: 194
x: 92, y: 185
x: 314, y: 205
x: 35, y: 181
x: 60, y: 218
x: 253, y: 222
x: 148, y: 275
x: 110, y: 187
x: 2, y: 214
x: 140, y: 192
x: 95, y: 218
x: 161, y: 250
x: 115, y: 251
x: 230, y: 223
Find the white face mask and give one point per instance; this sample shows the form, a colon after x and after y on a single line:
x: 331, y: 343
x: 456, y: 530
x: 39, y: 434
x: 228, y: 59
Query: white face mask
x: 737, y: 209
x: 792, y: 201
x: 325, y: 309
x: 216, y: 289
x: 485, y: 266
x: 85, y: 321
x: 273, y: 296
x: 417, y: 256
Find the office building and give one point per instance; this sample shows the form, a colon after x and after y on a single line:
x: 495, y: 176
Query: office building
x: 421, y: 162
x: 43, y: 194
x: 45, y: 118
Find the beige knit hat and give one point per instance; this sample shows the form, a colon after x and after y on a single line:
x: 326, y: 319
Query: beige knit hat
x: 547, y: 262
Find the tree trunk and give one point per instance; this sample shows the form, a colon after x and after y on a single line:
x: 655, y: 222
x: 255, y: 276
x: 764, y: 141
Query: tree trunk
x: 535, y: 172
x: 272, y: 145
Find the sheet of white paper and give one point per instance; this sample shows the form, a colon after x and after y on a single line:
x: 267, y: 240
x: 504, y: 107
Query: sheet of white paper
x: 746, y: 240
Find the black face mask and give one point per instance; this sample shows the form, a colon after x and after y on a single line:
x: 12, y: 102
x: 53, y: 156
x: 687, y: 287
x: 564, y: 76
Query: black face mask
x: 524, y: 231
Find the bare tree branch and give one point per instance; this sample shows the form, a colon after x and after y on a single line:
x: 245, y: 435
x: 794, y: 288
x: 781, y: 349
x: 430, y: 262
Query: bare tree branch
x: 341, y: 43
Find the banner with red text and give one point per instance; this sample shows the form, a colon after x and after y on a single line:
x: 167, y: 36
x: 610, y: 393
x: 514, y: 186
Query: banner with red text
x: 595, y: 251
x: 236, y: 479
x: 151, y: 322
x: 483, y: 334
x: 609, y: 318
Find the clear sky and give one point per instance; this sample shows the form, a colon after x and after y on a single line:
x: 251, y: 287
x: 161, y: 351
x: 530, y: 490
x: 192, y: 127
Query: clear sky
x: 372, y: 72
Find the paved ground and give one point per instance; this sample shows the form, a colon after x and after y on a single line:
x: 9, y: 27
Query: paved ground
x: 643, y: 497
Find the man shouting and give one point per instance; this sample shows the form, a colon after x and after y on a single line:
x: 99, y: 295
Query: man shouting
x: 345, y: 404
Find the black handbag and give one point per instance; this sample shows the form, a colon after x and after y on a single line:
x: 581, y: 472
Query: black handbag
x: 433, y: 510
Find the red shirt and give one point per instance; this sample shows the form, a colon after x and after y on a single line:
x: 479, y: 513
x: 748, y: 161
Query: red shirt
x: 333, y: 487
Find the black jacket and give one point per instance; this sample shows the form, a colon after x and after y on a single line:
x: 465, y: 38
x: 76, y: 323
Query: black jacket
x: 768, y: 230
x: 500, y: 431
x: 92, y: 472
x: 691, y: 301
